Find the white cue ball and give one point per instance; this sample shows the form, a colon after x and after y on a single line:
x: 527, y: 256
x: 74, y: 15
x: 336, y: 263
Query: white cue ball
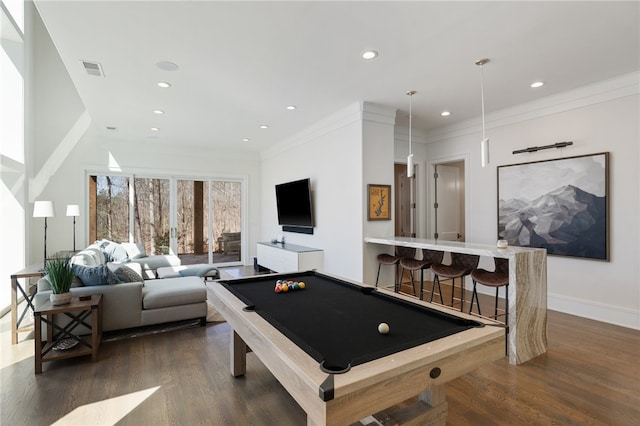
x: 383, y: 328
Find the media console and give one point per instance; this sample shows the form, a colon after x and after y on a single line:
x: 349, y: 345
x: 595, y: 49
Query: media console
x: 286, y: 257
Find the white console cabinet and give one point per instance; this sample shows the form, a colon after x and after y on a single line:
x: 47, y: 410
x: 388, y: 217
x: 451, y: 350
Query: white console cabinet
x: 289, y: 257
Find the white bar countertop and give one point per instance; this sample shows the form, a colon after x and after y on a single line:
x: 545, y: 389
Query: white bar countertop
x: 459, y: 247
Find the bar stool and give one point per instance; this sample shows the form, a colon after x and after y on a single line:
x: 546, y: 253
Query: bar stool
x: 498, y: 278
x: 429, y: 257
x: 461, y: 266
x: 388, y: 259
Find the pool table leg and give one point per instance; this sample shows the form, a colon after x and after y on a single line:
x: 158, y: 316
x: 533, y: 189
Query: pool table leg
x: 238, y: 355
x: 435, y: 397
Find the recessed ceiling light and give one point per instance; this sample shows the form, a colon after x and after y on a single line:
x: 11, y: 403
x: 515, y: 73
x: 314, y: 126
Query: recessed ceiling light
x: 445, y: 113
x: 164, y: 84
x: 246, y: 140
x: 264, y: 126
x: 537, y: 84
x: 158, y: 111
x: 291, y: 107
x: 167, y: 66
x: 155, y: 129
x: 369, y: 54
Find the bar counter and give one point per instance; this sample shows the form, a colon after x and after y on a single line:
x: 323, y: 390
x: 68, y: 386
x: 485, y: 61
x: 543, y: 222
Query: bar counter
x: 527, y: 289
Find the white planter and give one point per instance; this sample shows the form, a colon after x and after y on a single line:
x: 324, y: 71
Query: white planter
x: 60, y: 299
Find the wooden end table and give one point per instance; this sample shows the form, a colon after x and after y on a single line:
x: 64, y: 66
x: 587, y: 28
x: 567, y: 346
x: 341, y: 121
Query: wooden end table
x: 78, y: 311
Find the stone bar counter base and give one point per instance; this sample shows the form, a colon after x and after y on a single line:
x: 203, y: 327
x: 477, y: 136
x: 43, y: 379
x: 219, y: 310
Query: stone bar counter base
x: 527, y: 289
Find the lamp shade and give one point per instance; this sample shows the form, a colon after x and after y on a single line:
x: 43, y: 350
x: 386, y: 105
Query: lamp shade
x: 73, y: 210
x: 43, y: 209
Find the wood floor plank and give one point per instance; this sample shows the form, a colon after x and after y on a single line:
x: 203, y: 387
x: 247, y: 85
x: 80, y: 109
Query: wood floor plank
x: 590, y: 376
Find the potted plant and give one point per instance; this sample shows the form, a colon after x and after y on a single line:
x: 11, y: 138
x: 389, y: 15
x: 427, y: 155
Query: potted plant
x: 60, y: 276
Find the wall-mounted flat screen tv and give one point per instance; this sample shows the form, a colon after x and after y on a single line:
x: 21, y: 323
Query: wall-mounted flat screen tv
x: 294, y: 204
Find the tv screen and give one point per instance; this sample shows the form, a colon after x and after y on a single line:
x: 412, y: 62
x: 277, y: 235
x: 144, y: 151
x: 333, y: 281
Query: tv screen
x: 294, y: 203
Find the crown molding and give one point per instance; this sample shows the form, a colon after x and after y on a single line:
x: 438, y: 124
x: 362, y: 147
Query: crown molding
x: 355, y: 112
x: 615, y: 88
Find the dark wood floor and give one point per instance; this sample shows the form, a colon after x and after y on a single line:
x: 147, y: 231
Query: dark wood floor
x: 591, y: 375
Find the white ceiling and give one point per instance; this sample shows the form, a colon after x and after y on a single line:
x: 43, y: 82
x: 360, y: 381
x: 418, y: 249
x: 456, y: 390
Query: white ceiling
x: 241, y: 63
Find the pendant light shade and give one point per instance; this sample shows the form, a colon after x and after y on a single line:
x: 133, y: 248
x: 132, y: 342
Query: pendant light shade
x: 484, y: 145
x: 410, y: 167
x: 484, y: 152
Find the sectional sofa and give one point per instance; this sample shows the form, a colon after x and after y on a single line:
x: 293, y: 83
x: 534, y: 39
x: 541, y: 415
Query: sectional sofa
x: 128, y: 299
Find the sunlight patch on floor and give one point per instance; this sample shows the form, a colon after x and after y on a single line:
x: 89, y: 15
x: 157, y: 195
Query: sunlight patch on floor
x: 13, y: 354
x: 107, y: 412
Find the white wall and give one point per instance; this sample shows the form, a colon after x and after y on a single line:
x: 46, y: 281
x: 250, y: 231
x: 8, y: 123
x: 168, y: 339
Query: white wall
x: 596, y: 119
x: 331, y: 154
x: 65, y: 146
x: 377, y: 168
x: 95, y: 154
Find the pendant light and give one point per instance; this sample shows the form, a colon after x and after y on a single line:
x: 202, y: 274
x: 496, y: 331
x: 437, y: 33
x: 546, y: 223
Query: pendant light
x: 410, y: 93
x: 484, y: 145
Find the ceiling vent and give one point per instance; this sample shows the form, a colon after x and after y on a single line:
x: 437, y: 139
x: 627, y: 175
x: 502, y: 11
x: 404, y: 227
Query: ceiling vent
x: 93, y: 68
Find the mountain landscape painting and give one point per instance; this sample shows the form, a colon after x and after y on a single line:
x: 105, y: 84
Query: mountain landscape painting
x: 559, y: 205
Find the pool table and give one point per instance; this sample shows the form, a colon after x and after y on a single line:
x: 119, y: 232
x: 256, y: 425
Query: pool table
x: 323, y: 345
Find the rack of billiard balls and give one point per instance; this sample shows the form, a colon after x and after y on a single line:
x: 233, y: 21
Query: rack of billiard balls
x: 283, y: 286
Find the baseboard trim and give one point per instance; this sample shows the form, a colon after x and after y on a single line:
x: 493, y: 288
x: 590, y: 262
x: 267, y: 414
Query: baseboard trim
x: 611, y: 314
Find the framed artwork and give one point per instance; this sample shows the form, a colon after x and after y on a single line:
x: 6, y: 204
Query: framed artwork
x: 379, y: 202
x: 560, y: 205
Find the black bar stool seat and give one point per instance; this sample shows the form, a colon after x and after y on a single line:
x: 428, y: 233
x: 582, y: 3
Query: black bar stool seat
x: 497, y: 278
x: 394, y: 260
x: 429, y: 258
x: 461, y: 266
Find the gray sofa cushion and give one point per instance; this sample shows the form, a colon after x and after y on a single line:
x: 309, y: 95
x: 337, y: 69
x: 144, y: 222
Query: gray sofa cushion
x: 199, y: 271
x: 173, y: 292
x: 159, y: 261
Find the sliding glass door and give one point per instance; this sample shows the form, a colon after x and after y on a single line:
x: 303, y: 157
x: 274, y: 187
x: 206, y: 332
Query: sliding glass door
x: 226, y: 201
x: 192, y: 221
x: 151, y: 214
x: 198, y: 220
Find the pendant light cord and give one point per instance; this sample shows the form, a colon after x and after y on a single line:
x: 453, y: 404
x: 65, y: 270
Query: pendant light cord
x: 410, y: 120
x: 482, y: 98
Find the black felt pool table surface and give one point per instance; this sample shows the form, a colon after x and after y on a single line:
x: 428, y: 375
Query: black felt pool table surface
x: 336, y: 322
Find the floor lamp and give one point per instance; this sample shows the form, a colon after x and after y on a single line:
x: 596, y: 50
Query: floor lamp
x: 73, y: 210
x: 44, y: 209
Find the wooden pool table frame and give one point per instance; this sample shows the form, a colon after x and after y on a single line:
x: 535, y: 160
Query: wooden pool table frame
x: 372, y: 388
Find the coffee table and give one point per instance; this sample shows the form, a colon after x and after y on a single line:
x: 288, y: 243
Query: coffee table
x: 61, y: 342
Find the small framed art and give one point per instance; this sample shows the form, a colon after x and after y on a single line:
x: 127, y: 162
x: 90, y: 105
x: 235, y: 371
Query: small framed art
x: 379, y: 202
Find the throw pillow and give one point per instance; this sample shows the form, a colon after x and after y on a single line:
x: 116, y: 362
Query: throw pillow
x: 127, y: 275
x: 134, y: 250
x: 95, y: 275
x: 116, y: 253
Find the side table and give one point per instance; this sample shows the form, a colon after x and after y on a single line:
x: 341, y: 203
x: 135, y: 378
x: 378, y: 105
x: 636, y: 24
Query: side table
x: 78, y: 311
x: 32, y: 271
